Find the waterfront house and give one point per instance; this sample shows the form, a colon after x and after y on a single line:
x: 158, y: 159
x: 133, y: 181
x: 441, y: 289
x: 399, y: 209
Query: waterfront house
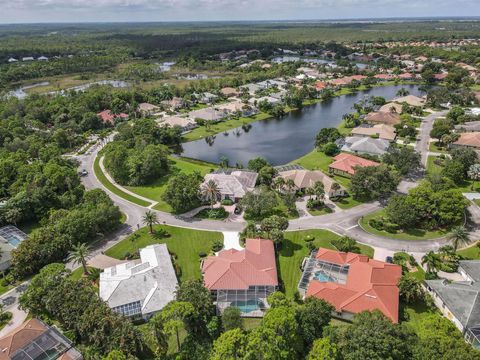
x: 411, y: 100
x: 232, y: 183
x: 382, y: 117
x: 173, y: 104
x: 391, y: 107
x: 365, y: 145
x: 304, y: 179
x: 345, y: 164
x: 352, y: 283
x: 35, y: 340
x: 381, y: 131
x: 229, y: 92
x: 185, y: 123
x: 242, y: 278
x: 142, y: 287
x: 459, y: 301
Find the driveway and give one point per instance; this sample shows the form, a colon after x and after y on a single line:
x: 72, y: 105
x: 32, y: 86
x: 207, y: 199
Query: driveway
x: 424, y: 135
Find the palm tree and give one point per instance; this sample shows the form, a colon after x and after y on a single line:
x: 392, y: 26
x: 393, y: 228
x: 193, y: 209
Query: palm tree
x: 279, y: 183
x: 211, y: 192
x: 319, y: 189
x: 474, y: 173
x: 150, y: 219
x: 432, y: 261
x: 290, y: 184
x: 79, y: 255
x: 458, y: 236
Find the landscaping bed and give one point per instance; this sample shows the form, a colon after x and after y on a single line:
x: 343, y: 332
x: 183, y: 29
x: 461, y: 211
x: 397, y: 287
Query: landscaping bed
x: 213, y: 214
x: 413, y: 234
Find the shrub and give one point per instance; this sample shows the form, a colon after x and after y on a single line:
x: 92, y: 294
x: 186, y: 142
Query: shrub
x: 309, y: 238
x: 202, y: 254
x: 310, y: 245
x: 227, y: 202
x: 217, y: 245
x: 376, y: 224
x: 314, y: 204
x: 390, y: 227
x: 219, y: 213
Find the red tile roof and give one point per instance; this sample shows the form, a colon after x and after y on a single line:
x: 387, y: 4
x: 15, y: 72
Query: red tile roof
x: 441, y: 76
x: 108, y: 116
x: 347, y: 163
x: 469, y: 139
x: 320, y: 85
x: 239, y: 269
x: 384, y: 117
x: 406, y: 76
x: 371, y: 284
x: 384, y: 76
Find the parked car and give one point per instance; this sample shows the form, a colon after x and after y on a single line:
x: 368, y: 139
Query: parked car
x: 83, y: 173
x: 389, y: 260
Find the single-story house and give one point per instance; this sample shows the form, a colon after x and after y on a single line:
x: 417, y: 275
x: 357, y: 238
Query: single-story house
x: 234, y: 107
x: 468, y: 139
x: 384, y: 77
x: 279, y: 95
x: 184, y: 122
x: 10, y: 238
x: 471, y: 126
x: 321, y: 85
x: 345, y: 164
x: 28, y: 58
x: 304, y: 179
x: 208, y: 98
x: 411, y: 100
x: 108, y: 117
x: 389, y: 118
x: 232, y: 183
x: 208, y: 114
x: 391, y: 107
x: 440, y: 76
x: 365, y: 145
x: 142, y: 287
x: 229, y: 92
x: 42, y: 58
x: 407, y: 76
x: 251, y: 88
x: 242, y: 278
x: 269, y: 99
x: 147, y: 109
x: 352, y: 283
x: 36, y: 340
x: 174, y: 104
x: 459, y: 301
x: 382, y: 131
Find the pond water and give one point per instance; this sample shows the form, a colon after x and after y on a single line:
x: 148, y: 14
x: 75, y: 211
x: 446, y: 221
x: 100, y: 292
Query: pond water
x: 20, y: 93
x: 282, y: 140
x: 331, y: 63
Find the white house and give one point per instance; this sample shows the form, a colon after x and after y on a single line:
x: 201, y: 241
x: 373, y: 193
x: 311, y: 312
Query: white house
x: 140, y: 288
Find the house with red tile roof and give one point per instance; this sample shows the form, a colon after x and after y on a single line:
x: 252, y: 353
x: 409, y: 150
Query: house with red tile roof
x: 108, y: 117
x: 381, y: 117
x: 470, y: 139
x: 320, y: 85
x: 35, y: 340
x: 384, y: 77
x: 345, y: 164
x: 242, y: 278
x: 352, y: 283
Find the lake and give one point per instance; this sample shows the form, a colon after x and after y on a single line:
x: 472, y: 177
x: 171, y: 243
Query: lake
x: 285, y: 139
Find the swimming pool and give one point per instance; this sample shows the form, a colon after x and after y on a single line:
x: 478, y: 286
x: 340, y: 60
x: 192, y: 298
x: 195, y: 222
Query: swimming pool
x: 323, y: 277
x: 246, y: 306
x: 14, y: 241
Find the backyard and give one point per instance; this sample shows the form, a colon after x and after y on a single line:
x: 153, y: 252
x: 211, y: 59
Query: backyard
x: 294, y: 250
x: 186, y: 244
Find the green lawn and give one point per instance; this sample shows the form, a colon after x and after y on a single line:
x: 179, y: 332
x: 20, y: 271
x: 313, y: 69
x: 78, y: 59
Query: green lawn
x: 294, y: 250
x: 202, y: 131
x: 78, y: 273
x: 323, y: 211
x: 155, y: 190
x: 414, y: 234
x: 251, y: 323
x: 416, y: 313
x: 472, y: 252
x: 431, y: 166
x: 434, y: 148
x: 465, y: 186
x: 103, y: 179
x: 185, y: 243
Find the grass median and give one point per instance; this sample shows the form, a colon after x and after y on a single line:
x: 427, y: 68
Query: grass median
x: 105, y: 182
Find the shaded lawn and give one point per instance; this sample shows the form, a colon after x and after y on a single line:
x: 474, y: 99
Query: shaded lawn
x: 415, y: 314
x: 432, y: 167
x: 251, y: 323
x: 465, y: 186
x: 294, y: 250
x: 78, y: 273
x: 202, y: 131
x: 156, y: 190
x: 185, y: 243
x: 412, y: 234
x: 434, y: 148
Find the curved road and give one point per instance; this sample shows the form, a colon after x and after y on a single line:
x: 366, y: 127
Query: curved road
x: 344, y: 222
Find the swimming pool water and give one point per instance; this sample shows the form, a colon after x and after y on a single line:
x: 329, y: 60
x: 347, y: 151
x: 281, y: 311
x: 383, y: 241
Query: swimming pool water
x: 323, y: 277
x: 246, y: 306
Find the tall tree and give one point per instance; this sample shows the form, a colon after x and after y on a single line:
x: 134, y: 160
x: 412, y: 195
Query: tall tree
x: 459, y: 235
x: 432, y: 261
x: 174, y: 317
x: 210, y: 192
x: 79, y: 255
x: 150, y: 219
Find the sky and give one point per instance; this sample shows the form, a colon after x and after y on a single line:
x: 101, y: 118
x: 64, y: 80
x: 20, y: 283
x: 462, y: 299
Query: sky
x: 23, y: 11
